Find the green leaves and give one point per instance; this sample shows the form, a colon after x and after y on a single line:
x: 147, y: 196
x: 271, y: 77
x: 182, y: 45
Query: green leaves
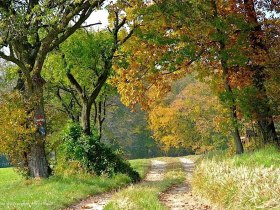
x: 95, y: 156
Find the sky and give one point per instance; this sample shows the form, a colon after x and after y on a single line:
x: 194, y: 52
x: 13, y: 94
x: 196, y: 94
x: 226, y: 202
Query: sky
x: 98, y: 16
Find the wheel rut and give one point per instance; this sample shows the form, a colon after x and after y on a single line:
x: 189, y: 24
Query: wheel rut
x: 180, y: 197
x: 98, y: 202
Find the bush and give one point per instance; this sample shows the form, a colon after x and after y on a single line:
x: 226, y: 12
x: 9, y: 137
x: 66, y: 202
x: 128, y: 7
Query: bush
x: 93, y: 155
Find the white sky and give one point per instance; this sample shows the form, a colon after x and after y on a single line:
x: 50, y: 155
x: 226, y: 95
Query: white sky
x: 96, y: 17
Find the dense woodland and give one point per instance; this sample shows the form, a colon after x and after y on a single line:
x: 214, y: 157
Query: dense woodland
x: 166, y: 77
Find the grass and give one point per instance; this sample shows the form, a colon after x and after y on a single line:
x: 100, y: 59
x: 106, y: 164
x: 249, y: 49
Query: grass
x: 265, y: 157
x: 142, y: 166
x: 57, y: 192
x: 248, y: 181
x: 146, y: 194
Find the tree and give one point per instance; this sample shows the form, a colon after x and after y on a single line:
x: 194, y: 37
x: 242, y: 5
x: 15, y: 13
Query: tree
x: 223, y: 51
x: 30, y: 30
x: 176, y: 42
x: 194, y: 118
x: 87, y: 58
x: 16, y: 132
x: 214, y: 34
x: 258, y: 60
x: 129, y: 131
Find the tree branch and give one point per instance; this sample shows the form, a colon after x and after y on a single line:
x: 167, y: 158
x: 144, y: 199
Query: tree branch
x: 14, y: 60
x: 89, y: 25
x: 77, y: 86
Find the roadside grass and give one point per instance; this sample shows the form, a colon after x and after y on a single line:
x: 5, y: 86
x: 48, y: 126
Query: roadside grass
x: 57, y: 191
x: 266, y: 157
x: 248, y: 181
x: 142, y: 166
x: 145, y: 195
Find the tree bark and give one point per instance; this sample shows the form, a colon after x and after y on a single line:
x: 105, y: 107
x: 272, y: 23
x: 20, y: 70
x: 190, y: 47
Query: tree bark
x: 88, y: 101
x: 37, y: 160
x: 85, y: 118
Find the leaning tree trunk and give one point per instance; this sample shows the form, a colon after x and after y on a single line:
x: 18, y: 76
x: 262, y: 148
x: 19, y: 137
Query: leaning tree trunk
x: 236, y: 135
x: 264, y: 116
x: 37, y: 161
x: 233, y: 110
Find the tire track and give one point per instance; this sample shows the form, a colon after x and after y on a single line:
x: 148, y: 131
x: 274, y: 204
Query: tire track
x: 180, y: 197
x: 98, y: 202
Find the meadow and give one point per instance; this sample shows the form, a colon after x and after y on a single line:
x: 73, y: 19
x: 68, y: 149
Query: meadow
x: 58, y: 191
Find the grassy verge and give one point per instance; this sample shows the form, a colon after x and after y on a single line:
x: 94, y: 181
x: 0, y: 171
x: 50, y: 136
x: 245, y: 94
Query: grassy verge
x: 142, y: 166
x: 57, y: 191
x: 249, y: 181
x: 145, y: 195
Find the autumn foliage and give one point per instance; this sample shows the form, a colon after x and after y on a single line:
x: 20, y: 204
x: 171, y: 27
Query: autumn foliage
x: 16, y: 130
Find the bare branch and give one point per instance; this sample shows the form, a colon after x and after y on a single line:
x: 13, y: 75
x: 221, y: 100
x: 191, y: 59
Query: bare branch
x: 90, y: 25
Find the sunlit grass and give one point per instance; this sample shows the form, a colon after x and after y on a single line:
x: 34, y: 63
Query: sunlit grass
x: 57, y: 192
x: 249, y: 181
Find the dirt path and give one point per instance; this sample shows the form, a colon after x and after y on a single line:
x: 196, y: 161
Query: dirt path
x: 157, y: 171
x: 98, y: 202
x: 180, y: 197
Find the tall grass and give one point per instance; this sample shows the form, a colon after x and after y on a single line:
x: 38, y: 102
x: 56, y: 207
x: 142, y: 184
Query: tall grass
x: 249, y: 181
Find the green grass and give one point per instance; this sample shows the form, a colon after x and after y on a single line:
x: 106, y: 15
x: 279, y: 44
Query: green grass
x: 248, y: 181
x: 56, y: 192
x: 146, y: 194
x: 265, y: 157
x: 142, y: 166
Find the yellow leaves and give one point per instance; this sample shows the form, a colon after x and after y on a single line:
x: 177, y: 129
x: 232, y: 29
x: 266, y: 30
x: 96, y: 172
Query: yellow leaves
x: 190, y: 120
x: 15, y: 126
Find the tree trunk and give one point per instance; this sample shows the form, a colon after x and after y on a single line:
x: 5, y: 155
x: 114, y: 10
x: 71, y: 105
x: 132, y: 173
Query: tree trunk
x: 238, y: 144
x: 233, y: 111
x: 236, y: 135
x: 265, y: 119
x: 85, y: 118
x: 264, y: 116
x: 37, y: 161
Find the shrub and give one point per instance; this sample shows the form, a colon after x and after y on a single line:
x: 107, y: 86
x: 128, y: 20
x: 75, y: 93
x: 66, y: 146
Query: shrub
x: 94, y: 156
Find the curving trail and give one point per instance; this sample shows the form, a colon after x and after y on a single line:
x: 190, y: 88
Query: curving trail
x: 180, y: 197
x: 98, y: 202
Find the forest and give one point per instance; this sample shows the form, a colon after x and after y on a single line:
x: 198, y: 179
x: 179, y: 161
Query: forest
x: 85, y: 100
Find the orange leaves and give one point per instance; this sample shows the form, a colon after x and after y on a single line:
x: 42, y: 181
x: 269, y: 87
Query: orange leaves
x: 240, y: 78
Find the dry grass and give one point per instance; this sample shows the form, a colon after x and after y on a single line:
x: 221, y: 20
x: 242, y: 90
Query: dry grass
x: 233, y: 185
